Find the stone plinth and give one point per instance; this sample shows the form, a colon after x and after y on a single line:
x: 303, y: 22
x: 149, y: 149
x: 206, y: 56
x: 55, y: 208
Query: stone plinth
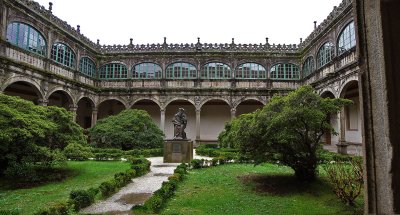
x: 178, y: 151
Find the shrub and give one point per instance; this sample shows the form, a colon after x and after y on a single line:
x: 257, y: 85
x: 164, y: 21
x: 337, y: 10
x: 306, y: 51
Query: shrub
x: 107, y: 188
x: 82, y: 198
x: 346, y: 179
x: 121, y: 179
x: 196, y: 163
x: 60, y: 208
x: 155, y: 203
x: 78, y: 152
x: 130, y: 129
x: 30, y: 134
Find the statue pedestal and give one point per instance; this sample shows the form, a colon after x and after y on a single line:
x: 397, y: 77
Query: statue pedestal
x: 178, y: 151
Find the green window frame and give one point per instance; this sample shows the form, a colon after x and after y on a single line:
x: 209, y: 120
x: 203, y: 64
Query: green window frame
x: 347, y: 38
x: 87, y: 67
x: 325, y: 54
x: 308, y: 66
x: 147, y: 71
x: 181, y: 70
x: 250, y: 71
x: 216, y: 71
x: 285, y: 71
x: 63, y: 54
x: 26, y: 37
x: 113, y: 71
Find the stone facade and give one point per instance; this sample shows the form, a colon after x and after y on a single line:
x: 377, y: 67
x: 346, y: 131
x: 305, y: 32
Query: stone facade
x: 47, y: 82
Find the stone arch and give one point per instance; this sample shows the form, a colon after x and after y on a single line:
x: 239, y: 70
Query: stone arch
x: 115, y: 106
x: 112, y: 98
x: 151, y: 106
x: 328, y: 138
x: 327, y: 91
x: 345, y: 84
x: 90, y: 98
x: 171, y: 109
x: 248, y: 105
x: 351, y: 114
x: 214, y: 113
x: 31, y: 82
x: 146, y: 98
x: 63, y: 90
x: 177, y: 99
x: 214, y: 98
x: 24, y: 89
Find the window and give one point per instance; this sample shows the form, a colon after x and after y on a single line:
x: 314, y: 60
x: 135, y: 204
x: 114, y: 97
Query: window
x: 250, y: 71
x: 87, y: 67
x: 26, y: 37
x: 216, y: 71
x: 325, y: 54
x: 113, y: 71
x: 147, y: 71
x: 63, y: 54
x: 347, y: 39
x: 181, y: 71
x: 285, y: 71
x: 308, y: 66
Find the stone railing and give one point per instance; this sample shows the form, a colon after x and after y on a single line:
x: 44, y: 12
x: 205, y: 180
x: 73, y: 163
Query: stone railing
x: 24, y: 57
x: 334, y: 15
x: 61, y: 71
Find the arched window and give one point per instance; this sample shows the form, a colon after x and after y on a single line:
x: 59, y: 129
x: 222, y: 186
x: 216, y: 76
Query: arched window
x: 347, y: 39
x: 308, y: 66
x: 181, y: 71
x: 26, y: 37
x: 147, y: 71
x: 113, y: 71
x: 216, y: 71
x: 87, y: 67
x: 285, y: 71
x: 63, y: 54
x: 250, y: 71
x: 325, y: 54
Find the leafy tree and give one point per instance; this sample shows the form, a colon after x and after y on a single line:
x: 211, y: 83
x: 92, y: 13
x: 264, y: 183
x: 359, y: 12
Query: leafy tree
x: 130, y: 129
x: 288, y: 129
x: 32, y: 136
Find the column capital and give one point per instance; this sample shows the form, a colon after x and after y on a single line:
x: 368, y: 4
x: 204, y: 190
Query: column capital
x: 43, y: 102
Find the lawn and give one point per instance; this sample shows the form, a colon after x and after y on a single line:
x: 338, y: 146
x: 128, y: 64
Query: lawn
x: 85, y: 174
x: 249, y: 189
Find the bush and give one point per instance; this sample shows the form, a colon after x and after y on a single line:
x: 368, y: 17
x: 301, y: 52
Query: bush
x: 107, y: 188
x: 60, y: 208
x: 155, y: 203
x: 82, y: 198
x: 130, y: 129
x: 31, y: 134
x: 77, y: 152
x: 121, y: 179
x: 346, y: 179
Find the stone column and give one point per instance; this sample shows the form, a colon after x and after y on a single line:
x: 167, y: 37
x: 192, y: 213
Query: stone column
x: 73, y: 109
x: 198, y: 124
x: 162, y: 120
x: 342, y: 145
x: 94, y: 117
x: 43, y: 102
x: 233, y: 113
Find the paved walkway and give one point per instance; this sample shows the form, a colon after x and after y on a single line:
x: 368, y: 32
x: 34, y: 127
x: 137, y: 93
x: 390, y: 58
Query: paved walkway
x: 138, y: 191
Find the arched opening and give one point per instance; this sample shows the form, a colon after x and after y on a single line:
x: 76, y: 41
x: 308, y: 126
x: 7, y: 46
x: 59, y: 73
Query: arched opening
x: 213, y: 115
x: 352, y: 118
x: 151, y: 108
x: 110, y: 107
x: 84, y: 112
x: 172, y: 109
x: 60, y: 98
x: 24, y: 90
x: 328, y: 138
x: 248, y: 106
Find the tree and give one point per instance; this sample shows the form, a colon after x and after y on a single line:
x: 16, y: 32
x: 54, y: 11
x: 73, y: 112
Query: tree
x: 130, y: 129
x: 32, y: 136
x: 289, y: 129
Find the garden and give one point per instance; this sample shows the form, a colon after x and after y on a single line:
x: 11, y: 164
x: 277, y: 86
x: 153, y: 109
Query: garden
x: 267, y: 162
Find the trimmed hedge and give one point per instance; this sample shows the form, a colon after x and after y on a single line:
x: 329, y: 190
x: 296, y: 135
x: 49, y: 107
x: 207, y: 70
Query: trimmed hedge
x: 212, y: 151
x: 116, y: 154
x: 159, y: 198
x: 328, y: 157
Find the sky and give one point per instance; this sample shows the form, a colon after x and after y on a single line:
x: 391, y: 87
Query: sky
x: 182, y: 21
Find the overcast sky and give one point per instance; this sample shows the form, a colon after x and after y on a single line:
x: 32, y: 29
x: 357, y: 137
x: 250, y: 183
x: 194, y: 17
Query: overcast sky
x: 182, y: 21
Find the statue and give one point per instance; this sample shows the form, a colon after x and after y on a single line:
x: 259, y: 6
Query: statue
x: 180, y: 122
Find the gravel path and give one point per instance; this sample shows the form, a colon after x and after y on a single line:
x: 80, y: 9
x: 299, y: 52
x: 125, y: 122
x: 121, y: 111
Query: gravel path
x: 138, y: 191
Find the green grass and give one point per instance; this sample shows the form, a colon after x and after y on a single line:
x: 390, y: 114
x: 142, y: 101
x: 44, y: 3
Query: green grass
x: 249, y: 189
x: 86, y: 174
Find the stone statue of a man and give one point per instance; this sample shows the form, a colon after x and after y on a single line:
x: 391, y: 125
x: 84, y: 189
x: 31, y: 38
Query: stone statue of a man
x: 180, y: 122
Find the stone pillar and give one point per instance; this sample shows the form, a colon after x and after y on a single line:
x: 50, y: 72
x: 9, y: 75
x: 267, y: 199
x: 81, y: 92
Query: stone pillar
x: 43, y: 102
x: 342, y: 145
x: 233, y: 113
x: 198, y: 111
x: 94, y: 117
x: 162, y: 120
x: 73, y: 109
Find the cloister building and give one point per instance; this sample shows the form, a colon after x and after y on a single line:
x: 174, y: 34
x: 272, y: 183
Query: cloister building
x: 45, y: 60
